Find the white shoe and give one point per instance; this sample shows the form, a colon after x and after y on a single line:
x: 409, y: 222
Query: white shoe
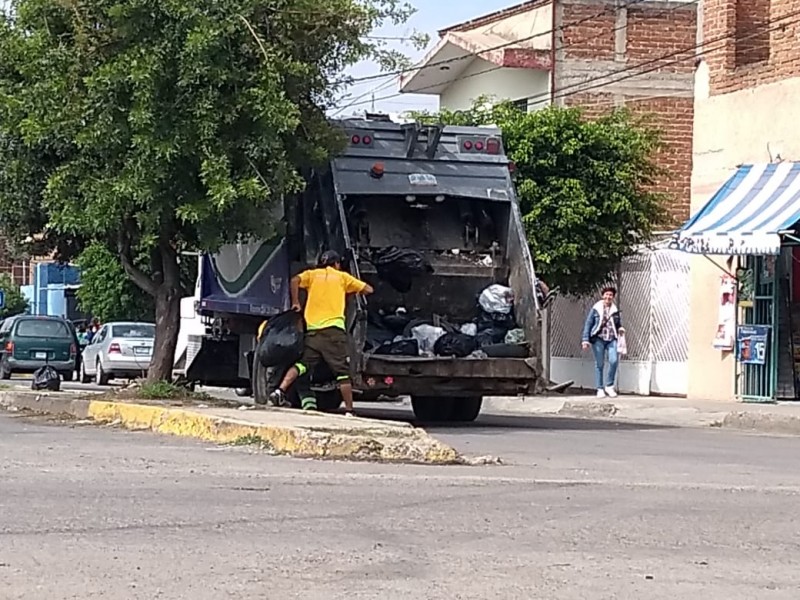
x: 601, y: 393
x: 611, y: 392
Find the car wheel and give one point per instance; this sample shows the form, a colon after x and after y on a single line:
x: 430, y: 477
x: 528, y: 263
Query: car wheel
x: 100, y: 377
x: 84, y: 378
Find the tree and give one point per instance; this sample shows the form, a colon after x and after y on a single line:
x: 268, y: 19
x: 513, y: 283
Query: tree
x: 107, y: 292
x: 152, y: 126
x: 585, y: 187
x: 15, y: 302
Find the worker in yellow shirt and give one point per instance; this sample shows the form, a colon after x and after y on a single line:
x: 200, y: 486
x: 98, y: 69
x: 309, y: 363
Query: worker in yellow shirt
x: 326, y: 336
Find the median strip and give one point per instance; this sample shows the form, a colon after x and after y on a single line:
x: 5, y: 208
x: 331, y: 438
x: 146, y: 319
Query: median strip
x: 288, y: 432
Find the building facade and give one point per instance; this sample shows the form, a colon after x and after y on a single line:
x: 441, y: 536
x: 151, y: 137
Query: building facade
x: 596, y: 54
x: 747, y: 81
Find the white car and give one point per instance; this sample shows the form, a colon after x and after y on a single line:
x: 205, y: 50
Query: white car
x: 118, y: 350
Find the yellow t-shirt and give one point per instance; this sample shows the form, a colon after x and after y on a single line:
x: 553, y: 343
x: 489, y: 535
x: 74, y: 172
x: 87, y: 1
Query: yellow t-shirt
x: 327, y: 291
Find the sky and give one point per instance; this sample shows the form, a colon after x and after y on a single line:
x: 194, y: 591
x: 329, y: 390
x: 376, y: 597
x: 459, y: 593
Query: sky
x: 431, y: 16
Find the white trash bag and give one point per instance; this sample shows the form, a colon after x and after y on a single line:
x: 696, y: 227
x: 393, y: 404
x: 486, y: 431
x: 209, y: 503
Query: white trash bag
x: 497, y: 299
x: 426, y: 336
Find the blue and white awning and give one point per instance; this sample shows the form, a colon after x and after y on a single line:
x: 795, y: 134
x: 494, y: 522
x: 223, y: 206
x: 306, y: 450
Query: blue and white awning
x: 748, y: 214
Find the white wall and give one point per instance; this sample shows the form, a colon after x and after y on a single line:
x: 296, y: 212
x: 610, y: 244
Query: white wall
x: 505, y: 84
x: 729, y: 130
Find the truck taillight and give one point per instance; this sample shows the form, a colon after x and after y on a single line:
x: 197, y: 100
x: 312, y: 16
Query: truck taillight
x: 512, y: 167
x: 361, y: 139
x: 114, y: 349
x: 356, y: 139
x: 492, y: 146
x: 377, y: 170
x: 10, y: 347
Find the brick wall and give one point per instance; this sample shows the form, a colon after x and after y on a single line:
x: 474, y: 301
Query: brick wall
x: 614, y: 45
x: 750, y: 42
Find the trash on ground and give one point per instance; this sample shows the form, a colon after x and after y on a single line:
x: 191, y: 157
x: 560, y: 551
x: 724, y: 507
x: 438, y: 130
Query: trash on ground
x: 46, y: 378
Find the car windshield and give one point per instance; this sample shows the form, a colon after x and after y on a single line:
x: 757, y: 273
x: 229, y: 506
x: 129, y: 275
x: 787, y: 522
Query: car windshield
x: 134, y: 330
x: 39, y: 328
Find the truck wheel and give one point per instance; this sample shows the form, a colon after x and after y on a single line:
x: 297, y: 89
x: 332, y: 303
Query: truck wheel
x: 466, y: 410
x: 430, y: 409
x: 328, y: 401
x: 260, y: 383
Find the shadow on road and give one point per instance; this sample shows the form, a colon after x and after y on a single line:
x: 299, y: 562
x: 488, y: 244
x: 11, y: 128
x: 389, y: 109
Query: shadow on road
x: 489, y: 424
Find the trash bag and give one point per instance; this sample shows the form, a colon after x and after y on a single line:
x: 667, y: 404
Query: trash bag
x: 399, y: 348
x: 396, y: 323
x: 490, y: 336
x: 497, y: 299
x: 46, y: 378
x: 455, y: 344
x: 515, y: 336
x: 469, y: 329
x: 497, y: 321
x: 426, y: 336
x: 399, y: 266
x: 282, y: 341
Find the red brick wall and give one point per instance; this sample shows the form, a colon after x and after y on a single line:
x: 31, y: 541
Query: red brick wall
x: 653, y: 30
x: 770, y: 53
x: 673, y: 117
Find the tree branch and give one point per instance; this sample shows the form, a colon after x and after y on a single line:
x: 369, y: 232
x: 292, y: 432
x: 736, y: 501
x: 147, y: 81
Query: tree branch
x: 136, y: 275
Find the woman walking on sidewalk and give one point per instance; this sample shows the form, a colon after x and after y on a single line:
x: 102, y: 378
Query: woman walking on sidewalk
x: 602, y: 330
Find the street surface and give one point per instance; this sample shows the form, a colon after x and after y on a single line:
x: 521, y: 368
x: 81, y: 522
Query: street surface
x: 583, y: 510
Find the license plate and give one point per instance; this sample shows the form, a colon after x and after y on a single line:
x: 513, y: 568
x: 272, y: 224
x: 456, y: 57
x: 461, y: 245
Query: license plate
x: 141, y: 351
x: 40, y: 355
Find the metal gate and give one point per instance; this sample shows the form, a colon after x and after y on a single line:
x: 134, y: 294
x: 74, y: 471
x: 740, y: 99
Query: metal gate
x: 757, y: 292
x: 654, y: 300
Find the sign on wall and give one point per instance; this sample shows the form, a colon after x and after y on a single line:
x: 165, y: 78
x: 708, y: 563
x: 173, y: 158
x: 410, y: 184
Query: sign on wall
x: 752, y: 342
x: 726, y: 324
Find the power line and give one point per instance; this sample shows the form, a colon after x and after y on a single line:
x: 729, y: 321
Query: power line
x: 657, y: 62
x: 563, y: 46
x: 448, y: 61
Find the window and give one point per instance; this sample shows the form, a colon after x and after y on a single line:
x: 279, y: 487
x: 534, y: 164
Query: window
x: 39, y: 328
x: 134, y: 330
x: 752, y: 31
x: 521, y: 104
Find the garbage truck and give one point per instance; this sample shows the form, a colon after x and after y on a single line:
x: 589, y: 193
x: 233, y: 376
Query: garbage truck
x: 441, y: 195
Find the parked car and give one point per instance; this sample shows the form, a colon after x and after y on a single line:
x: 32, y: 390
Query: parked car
x: 29, y: 342
x: 118, y: 350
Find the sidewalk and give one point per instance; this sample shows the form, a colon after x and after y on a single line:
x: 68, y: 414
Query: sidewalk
x: 289, y: 432
x: 780, y: 418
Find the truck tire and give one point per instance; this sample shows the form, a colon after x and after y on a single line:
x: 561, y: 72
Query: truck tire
x: 260, y: 383
x: 430, y: 409
x: 328, y: 401
x: 466, y: 410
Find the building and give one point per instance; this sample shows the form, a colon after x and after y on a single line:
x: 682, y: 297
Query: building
x: 591, y: 53
x: 747, y: 83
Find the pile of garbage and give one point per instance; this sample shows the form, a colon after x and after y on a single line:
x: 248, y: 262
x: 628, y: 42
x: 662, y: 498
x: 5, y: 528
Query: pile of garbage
x: 493, y: 333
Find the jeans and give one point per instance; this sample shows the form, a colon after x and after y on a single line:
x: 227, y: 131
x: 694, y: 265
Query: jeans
x: 599, y: 348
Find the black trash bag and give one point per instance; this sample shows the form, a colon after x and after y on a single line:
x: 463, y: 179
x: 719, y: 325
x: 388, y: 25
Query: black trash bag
x: 397, y: 323
x: 46, y: 378
x: 282, y: 340
x: 455, y: 344
x: 496, y: 321
x: 399, y: 266
x: 490, y: 336
x: 399, y: 348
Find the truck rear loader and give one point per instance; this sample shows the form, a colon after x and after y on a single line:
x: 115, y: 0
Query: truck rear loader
x: 444, y: 194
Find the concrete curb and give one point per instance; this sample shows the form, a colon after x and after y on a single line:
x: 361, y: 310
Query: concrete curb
x: 380, y: 444
x: 761, y: 419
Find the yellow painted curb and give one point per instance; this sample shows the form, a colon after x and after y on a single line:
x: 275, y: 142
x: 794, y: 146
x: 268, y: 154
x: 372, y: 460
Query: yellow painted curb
x: 415, y: 446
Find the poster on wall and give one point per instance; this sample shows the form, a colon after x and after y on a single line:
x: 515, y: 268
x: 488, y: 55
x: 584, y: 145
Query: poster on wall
x: 726, y: 324
x: 752, y: 342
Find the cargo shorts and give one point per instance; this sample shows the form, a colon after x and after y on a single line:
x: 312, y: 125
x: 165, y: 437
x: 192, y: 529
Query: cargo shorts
x: 329, y: 345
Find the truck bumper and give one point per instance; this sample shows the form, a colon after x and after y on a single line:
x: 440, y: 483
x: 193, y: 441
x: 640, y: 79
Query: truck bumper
x: 405, y: 375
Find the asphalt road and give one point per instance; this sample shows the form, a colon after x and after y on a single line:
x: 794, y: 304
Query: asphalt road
x: 583, y: 511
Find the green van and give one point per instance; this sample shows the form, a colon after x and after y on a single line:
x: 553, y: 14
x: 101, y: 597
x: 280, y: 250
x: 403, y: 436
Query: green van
x: 29, y: 342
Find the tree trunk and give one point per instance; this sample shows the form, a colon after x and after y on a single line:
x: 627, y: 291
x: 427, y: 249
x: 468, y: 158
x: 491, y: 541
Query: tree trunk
x: 168, y: 317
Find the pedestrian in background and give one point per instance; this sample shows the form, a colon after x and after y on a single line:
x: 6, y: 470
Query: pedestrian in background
x: 601, y: 333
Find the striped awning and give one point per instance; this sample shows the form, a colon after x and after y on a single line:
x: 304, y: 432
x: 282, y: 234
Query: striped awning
x: 748, y: 214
